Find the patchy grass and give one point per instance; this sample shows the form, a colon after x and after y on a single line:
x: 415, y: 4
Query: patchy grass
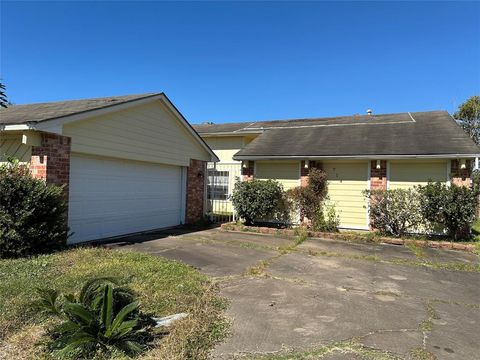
x: 163, y: 287
x: 468, y: 267
x: 422, y: 354
x: 346, y: 256
x: 416, y: 249
x: 258, y: 270
x: 347, y: 348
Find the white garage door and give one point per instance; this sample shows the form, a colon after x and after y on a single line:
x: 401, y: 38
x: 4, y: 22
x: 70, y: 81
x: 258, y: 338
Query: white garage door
x: 110, y: 197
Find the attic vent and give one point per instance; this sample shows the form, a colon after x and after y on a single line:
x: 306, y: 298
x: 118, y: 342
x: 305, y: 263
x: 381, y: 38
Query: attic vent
x: 369, y: 111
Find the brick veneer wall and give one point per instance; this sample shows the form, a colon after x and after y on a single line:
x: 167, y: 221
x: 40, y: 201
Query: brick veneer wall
x: 378, y: 177
x: 305, y: 171
x: 51, y: 160
x: 195, y: 191
x: 248, y: 172
x: 461, y: 177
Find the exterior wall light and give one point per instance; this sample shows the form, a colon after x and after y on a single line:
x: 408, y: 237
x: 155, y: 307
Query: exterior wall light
x: 307, y: 164
x: 245, y: 164
x: 378, y: 164
x: 463, y: 164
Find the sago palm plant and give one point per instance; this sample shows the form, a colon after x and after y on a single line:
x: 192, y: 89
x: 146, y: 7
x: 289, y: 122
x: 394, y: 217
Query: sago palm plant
x: 104, y: 317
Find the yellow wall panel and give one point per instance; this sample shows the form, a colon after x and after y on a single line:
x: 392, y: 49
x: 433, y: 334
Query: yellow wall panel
x: 147, y: 132
x: 12, y: 147
x: 225, y: 147
x: 346, y: 183
x: 285, y: 172
x: 406, y: 174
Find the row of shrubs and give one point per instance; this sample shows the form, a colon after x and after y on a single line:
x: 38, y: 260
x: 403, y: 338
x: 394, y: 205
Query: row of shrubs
x: 259, y: 201
x: 431, y: 209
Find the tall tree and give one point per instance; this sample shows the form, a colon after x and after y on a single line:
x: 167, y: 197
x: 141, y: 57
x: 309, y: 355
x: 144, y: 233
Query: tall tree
x: 3, y: 97
x: 468, y: 116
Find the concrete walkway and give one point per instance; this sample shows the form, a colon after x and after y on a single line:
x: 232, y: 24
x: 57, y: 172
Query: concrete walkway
x: 327, y: 299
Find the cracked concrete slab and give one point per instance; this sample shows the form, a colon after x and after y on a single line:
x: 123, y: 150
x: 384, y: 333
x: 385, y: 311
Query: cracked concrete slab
x: 276, y: 314
x: 299, y: 301
x: 456, y: 334
x: 378, y: 277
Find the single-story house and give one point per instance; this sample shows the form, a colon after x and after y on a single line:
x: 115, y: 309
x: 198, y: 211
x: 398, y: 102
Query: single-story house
x: 128, y: 163
x: 388, y: 151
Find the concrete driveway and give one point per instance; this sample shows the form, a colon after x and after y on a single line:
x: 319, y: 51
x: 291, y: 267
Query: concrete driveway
x: 327, y: 299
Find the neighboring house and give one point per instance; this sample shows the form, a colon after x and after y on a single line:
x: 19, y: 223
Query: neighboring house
x: 128, y: 163
x: 388, y: 151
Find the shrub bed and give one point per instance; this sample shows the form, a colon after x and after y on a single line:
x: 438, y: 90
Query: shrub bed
x: 433, y: 208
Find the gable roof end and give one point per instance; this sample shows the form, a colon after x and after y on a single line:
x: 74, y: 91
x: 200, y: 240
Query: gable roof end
x: 41, y: 116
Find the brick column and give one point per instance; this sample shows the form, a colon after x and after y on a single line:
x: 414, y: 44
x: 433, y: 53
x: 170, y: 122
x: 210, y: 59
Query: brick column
x: 51, y: 160
x: 248, y: 172
x: 378, y: 177
x: 461, y: 177
x: 195, y: 191
x: 304, y: 172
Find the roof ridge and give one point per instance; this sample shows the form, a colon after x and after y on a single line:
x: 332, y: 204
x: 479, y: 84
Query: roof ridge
x: 250, y: 123
x: 137, y: 96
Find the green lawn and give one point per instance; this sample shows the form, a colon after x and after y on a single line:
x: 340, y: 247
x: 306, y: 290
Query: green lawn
x: 163, y: 287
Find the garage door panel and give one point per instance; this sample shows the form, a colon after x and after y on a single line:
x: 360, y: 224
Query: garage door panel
x: 110, y: 197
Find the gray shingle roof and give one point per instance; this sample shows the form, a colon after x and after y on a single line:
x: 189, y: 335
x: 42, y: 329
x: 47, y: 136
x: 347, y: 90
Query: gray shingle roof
x: 259, y: 126
x: 421, y: 133
x: 20, y: 114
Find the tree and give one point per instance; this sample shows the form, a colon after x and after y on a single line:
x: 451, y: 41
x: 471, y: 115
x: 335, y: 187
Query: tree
x: 468, y: 116
x: 3, y: 97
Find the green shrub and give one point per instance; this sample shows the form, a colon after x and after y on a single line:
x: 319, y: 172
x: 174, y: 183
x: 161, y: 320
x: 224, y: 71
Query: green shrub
x: 326, y: 219
x: 395, y: 212
x: 104, y: 317
x: 257, y: 199
x: 311, y: 200
x: 32, y: 214
x: 450, y: 207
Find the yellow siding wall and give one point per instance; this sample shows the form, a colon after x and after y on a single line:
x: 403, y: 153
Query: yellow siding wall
x: 286, y: 172
x: 225, y: 147
x: 346, y: 183
x: 405, y: 174
x: 12, y: 147
x: 147, y: 132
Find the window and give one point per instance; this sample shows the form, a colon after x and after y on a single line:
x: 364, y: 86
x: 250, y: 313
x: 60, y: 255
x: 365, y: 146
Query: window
x: 217, y: 188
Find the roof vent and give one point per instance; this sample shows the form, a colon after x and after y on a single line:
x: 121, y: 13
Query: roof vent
x: 369, y: 111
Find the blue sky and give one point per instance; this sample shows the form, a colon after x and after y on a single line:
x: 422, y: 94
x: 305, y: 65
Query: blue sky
x: 241, y: 61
